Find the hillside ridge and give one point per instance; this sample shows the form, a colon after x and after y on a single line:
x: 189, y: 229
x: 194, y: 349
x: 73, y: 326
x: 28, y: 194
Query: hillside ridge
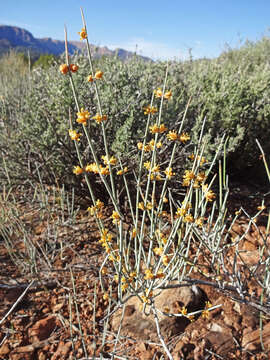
x: 19, y: 39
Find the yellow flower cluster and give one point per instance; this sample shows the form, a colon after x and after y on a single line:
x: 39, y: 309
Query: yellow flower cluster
x: 205, y: 313
x: 73, y: 67
x: 83, y: 34
x: 83, y: 116
x: 174, y: 136
x: 77, y: 170
x: 102, y: 170
x: 100, y: 118
x: 198, y: 180
x: 92, y: 168
x: 184, y: 311
x: 97, y: 209
x: 90, y: 78
x: 199, y: 221
x: 147, y: 165
x: 182, y: 211
x: 114, y: 258
x: 148, y: 274
x: 105, y: 240
x: 155, y: 129
x: 98, y: 74
x: 169, y: 173
x: 188, y: 218
x: 155, y: 169
x: 64, y: 68
x: 150, y: 146
x: 192, y: 157
x: 208, y: 194
x: 158, y: 251
x: 184, y: 137
x: 147, y: 297
x: 104, y: 270
x: 158, y: 93
x: 133, y: 233
x: 74, y: 135
x: 150, y: 110
x: 165, y: 259
x: 116, y: 217
x: 154, y: 172
x: 122, y: 171
x: 155, y: 177
x: 143, y: 207
x: 126, y: 279
x: 161, y: 237
x: 181, y: 310
x: 188, y: 176
x: 111, y: 161
x: 168, y: 94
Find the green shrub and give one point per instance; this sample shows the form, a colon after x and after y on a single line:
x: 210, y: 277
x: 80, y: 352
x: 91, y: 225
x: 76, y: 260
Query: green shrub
x: 231, y: 92
x: 44, y: 61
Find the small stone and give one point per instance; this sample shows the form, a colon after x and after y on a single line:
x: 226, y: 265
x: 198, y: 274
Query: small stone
x: 62, y: 351
x: 42, y: 329
x: 252, y: 340
x: 4, y: 349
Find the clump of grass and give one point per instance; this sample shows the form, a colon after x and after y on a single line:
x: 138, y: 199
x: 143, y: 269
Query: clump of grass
x: 28, y: 211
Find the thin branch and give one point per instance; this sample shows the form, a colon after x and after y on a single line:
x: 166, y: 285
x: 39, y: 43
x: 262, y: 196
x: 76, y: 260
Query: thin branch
x: 160, y: 335
x: 17, y: 302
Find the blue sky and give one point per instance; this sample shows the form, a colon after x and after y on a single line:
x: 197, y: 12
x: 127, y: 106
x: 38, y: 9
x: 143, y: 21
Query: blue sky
x: 159, y: 29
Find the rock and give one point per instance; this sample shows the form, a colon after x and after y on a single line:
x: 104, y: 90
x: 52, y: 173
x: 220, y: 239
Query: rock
x: 4, y: 349
x: 144, y: 352
x: 42, y: 329
x: 24, y: 349
x: 62, y: 350
x: 42, y: 356
x: 250, y: 316
x: 22, y: 353
x: 248, y: 257
x: 200, y: 350
x: 137, y: 324
x: 251, y: 340
x: 231, y: 317
x: 221, y: 341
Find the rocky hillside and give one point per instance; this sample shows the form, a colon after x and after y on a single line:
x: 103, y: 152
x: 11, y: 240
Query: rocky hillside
x: 12, y: 37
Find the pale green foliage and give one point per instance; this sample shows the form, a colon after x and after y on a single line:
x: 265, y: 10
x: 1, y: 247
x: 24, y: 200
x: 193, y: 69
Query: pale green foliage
x: 232, y: 92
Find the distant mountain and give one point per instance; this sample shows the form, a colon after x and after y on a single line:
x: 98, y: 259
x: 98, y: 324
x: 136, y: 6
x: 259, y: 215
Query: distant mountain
x: 12, y: 37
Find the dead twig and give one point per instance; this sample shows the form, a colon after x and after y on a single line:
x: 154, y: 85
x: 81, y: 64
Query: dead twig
x: 17, y: 302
